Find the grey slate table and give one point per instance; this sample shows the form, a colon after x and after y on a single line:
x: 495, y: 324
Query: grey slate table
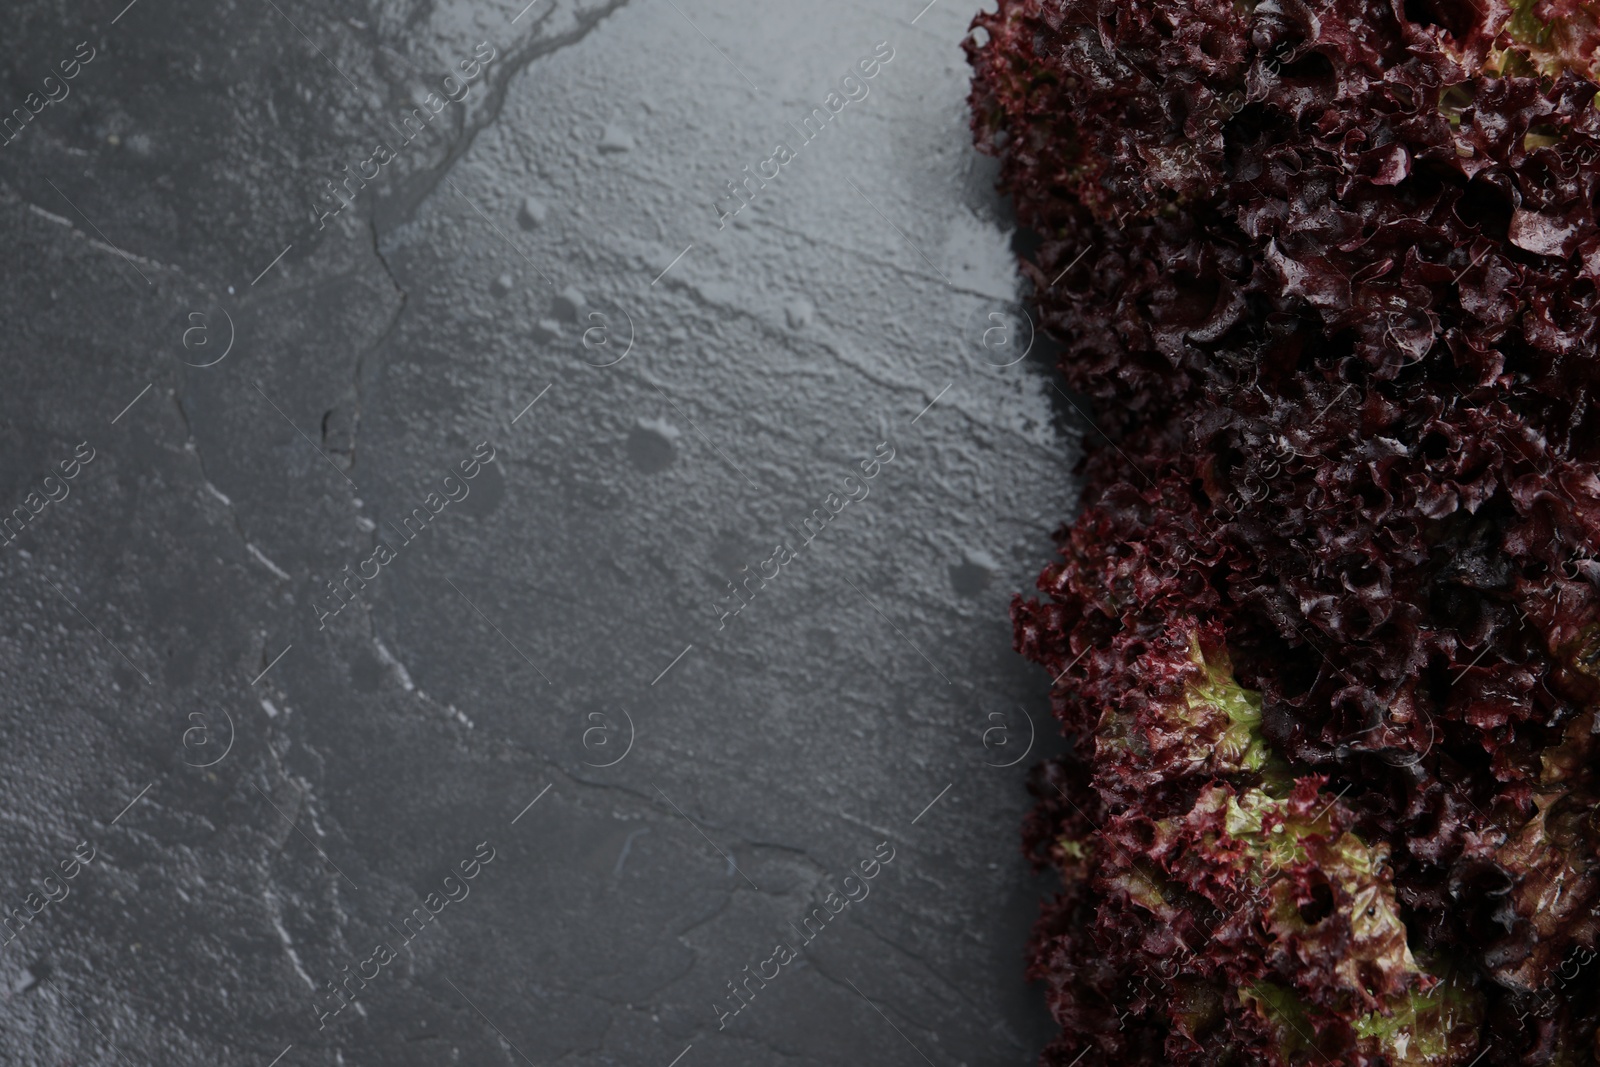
x: 521, y: 782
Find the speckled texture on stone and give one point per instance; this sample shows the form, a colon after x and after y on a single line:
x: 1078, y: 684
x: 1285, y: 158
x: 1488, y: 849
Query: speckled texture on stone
x: 272, y: 777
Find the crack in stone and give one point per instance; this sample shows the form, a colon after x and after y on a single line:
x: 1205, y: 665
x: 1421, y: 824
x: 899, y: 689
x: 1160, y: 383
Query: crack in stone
x: 497, y: 92
x: 878, y: 1002
x: 93, y: 241
x: 382, y: 339
x: 682, y: 936
x: 956, y: 990
x: 191, y: 445
x: 766, y: 1047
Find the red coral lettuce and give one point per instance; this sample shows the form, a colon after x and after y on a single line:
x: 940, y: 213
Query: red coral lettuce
x: 1326, y: 639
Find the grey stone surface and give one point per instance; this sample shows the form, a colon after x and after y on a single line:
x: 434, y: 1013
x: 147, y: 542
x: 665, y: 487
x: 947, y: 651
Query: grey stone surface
x: 267, y: 786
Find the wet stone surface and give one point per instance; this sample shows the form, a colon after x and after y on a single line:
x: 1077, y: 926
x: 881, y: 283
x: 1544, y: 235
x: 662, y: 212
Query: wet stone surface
x: 480, y: 584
